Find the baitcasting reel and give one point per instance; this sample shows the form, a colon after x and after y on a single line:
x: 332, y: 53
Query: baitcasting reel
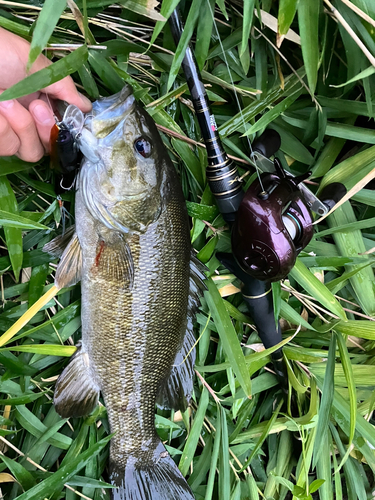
x: 274, y: 220
x: 272, y: 226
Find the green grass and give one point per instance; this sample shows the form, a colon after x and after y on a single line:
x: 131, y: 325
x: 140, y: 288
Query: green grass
x: 318, y: 91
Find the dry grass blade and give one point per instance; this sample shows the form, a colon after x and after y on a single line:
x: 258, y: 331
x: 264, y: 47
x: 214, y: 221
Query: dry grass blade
x: 336, y: 14
x: 360, y: 12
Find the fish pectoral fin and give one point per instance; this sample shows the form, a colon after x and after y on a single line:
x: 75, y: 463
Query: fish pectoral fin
x: 69, y: 270
x: 57, y: 246
x: 76, y: 391
x: 117, y: 261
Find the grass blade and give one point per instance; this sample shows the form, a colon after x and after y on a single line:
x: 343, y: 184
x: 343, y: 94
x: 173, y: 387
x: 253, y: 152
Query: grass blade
x: 13, y: 235
x: 248, y: 13
x: 54, y: 483
x: 326, y: 401
x: 47, y: 20
x: 351, y: 243
x: 308, y: 21
x: 228, y: 336
x: 313, y: 286
x: 263, y: 436
x: 187, y: 33
x: 287, y: 11
x: 195, y: 431
x: 8, y: 219
x: 46, y: 349
x: 345, y: 360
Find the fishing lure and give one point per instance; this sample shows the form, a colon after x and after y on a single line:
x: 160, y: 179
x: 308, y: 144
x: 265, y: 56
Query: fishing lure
x: 65, y: 152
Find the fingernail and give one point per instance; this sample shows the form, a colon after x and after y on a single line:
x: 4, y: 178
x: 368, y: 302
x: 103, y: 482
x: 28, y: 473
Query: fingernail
x: 7, y: 104
x: 43, y: 115
x: 86, y: 102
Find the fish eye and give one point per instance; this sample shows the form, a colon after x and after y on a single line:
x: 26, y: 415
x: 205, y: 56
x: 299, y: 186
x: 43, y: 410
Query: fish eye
x: 143, y: 147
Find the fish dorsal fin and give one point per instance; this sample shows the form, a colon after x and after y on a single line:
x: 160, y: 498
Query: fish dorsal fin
x: 57, y: 246
x: 176, y: 391
x: 69, y: 270
x: 197, y: 286
x: 76, y: 391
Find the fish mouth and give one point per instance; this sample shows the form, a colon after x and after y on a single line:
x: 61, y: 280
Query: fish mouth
x: 110, y: 111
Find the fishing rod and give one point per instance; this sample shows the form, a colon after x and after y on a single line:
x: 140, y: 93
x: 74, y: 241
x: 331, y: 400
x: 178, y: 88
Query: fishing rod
x: 270, y: 223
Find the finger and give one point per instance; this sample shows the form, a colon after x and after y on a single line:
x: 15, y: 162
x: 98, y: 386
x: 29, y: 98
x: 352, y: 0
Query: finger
x: 23, y: 125
x: 65, y: 90
x: 9, y: 142
x: 44, y: 121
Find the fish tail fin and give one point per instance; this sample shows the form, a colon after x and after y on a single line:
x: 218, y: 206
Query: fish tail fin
x: 145, y: 479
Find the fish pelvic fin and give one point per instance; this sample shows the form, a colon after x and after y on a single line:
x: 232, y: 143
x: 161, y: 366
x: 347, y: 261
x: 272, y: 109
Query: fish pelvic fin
x: 156, y: 479
x: 176, y: 390
x: 76, y: 391
x: 69, y: 270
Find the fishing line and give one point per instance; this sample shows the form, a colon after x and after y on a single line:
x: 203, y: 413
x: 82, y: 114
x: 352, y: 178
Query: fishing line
x: 235, y: 94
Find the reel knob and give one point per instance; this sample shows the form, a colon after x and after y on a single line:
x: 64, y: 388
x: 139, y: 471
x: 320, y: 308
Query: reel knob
x: 332, y: 194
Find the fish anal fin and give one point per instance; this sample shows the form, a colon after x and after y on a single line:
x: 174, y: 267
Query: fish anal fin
x: 69, y: 270
x: 175, y: 392
x: 76, y: 391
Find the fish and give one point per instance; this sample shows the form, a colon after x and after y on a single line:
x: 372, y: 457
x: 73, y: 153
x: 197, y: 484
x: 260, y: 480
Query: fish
x: 140, y: 288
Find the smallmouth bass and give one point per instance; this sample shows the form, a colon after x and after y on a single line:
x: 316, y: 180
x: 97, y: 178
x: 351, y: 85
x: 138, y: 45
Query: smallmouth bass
x: 131, y: 251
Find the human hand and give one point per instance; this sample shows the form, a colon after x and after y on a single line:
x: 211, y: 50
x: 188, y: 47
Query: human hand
x: 25, y: 123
